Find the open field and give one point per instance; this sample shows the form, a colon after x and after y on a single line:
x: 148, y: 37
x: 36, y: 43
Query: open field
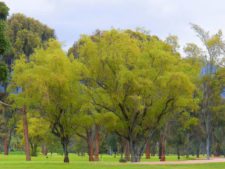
x: 107, y: 162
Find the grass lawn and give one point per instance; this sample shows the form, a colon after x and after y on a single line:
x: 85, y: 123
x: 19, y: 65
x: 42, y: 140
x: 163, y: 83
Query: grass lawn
x: 107, y: 162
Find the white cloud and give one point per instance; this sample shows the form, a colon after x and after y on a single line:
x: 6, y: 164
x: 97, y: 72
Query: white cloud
x: 70, y: 18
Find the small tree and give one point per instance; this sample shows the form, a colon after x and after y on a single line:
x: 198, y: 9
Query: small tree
x: 214, y: 51
x: 50, y: 85
x: 38, y: 129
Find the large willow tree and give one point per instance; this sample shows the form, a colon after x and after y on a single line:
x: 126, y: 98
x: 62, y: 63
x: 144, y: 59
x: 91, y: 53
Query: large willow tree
x: 137, y: 77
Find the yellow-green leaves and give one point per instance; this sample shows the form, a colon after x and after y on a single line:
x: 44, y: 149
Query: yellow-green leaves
x: 50, y: 84
x: 138, y: 78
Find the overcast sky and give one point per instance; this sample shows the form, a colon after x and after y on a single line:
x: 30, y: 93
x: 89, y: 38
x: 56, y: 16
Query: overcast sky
x: 70, y: 18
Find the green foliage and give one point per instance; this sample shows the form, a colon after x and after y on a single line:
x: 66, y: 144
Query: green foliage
x: 38, y: 129
x: 26, y: 34
x: 172, y: 40
x: 49, y: 80
x: 139, y: 80
x: 3, y: 72
x: 26, y: 42
x: 50, y: 86
x: 4, y: 11
x: 4, y: 41
x: 121, y: 81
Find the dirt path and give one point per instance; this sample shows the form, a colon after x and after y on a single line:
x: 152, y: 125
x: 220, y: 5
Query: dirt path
x: 200, y: 161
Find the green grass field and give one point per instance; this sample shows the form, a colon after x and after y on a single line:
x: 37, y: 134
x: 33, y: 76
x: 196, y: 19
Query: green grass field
x: 14, y: 161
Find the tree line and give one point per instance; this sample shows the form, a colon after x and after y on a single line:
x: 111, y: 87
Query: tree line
x: 121, y: 91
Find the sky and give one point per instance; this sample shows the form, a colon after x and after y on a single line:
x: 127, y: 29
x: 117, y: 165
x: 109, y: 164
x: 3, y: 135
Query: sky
x: 71, y: 18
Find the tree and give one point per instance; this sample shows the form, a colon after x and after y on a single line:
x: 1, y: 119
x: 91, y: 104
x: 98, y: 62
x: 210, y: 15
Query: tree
x: 214, y: 49
x: 38, y: 130
x: 50, y: 85
x: 4, y: 49
x: 172, y: 40
x: 217, y: 109
x: 25, y: 35
x: 90, y: 121
x: 4, y: 41
x: 4, y: 11
x: 8, y: 121
x: 193, y: 51
x: 137, y: 78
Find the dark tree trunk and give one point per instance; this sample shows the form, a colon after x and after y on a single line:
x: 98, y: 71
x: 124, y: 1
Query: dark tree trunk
x: 127, y: 151
x: 147, y: 152
x: 7, y: 144
x: 153, y: 148
x: 160, y: 149
x: 208, y: 151
x: 97, y: 140
x: 178, y: 152
x: 217, y: 150
x: 122, y: 149
x: 33, y: 149
x: 163, y: 149
x: 26, y: 135
x: 188, y: 146
x: 65, y: 143
x: 197, y: 153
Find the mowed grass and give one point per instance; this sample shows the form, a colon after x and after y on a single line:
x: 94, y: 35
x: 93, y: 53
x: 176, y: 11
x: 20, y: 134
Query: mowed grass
x: 107, y: 162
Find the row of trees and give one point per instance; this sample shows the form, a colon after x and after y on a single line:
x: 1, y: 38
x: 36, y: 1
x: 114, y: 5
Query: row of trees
x: 128, y: 87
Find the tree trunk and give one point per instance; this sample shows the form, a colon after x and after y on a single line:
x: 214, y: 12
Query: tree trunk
x: 90, y: 143
x: 135, y: 151
x: 33, y: 149
x: 147, y: 152
x: 65, y: 143
x: 197, y: 151
x: 7, y: 141
x: 26, y: 135
x: 206, y: 112
x: 187, y: 146
x: 163, y: 149
x: 122, y: 149
x: 6, y: 145
x: 153, y: 149
x: 127, y: 151
x: 217, y: 150
x: 208, y: 145
x: 90, y: 151
x: 66, y: 157
x: 160, y: 149
x: 44, y: 150
x: 178, y: 152
x: 97, y: 139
